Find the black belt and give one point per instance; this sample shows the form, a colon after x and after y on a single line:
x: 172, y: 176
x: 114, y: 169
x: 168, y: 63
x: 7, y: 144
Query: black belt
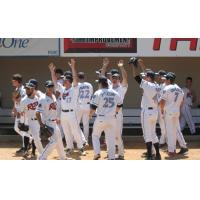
x: 150, y: 108
x: 88, y: 102
x: 51, y: 120
x: 68, y: 110
x: 33, y: 119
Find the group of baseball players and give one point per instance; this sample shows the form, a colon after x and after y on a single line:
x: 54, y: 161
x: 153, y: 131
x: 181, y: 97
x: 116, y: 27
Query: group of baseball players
x: 69, y: 100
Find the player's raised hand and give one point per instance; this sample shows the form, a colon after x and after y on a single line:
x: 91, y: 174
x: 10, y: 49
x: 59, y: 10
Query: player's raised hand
x: 120, y: 63
x: 106, y: 62
x: 51, y: 67
x: 72, y: 62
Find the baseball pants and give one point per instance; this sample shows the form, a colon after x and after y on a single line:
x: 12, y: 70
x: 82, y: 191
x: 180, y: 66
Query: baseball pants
x: 148, y: 120
x: 55, y: 142
x: 108, y: 126
x: 34, y: 130
x: 174, y: 132
x: 71, y: 129
x: 83, y: 115
x: 186, y: 117
x: 118, y: 134
x: 163, y: 137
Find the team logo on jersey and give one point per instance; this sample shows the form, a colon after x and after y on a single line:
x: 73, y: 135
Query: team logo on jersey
x: 52, y: 106
x: 32, y: 106
x: 65, y: 95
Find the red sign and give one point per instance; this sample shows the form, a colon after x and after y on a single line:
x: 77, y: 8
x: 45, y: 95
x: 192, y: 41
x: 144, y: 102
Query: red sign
x: 100, y: 45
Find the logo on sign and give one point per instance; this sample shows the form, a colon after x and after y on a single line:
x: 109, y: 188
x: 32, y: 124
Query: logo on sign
x: 14, y: 43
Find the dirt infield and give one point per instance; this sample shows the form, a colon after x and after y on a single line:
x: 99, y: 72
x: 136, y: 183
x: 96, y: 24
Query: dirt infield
x: 133, y: 151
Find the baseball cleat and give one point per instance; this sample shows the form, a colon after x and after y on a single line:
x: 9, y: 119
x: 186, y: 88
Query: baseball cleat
x: 158, y: 157
x: 119, y: 157
x: 183, y: 151
x: 21, y: 150
x: 171, y: 154
x: 149, y: 158
x: 69, y: 152
x: 82, y: 152
x: 96, y: 157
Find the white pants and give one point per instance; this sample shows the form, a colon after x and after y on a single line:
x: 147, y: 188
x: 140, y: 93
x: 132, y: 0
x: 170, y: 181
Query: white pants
x: 71, y: 129
x: 34, y: 131
x: 163, y: 138
x: 118, y: 134
x: 148, y: 121
x: 108, y: 125
x: 83, y: 115
x: 173, y: 131
x: 186, y: 117
x: 55, y: 142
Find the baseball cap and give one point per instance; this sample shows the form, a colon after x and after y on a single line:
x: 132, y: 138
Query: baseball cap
x: 68, y: 77
x: 148, y: 73
x: 170, y: 76
x: 161, y: 73
x: 34, y: 82
x: 114, y: 71
x: 49, y: 84
x: 116, y: 75
x: 29, y: 85
x: 102, y: 79
x: 81, y: 75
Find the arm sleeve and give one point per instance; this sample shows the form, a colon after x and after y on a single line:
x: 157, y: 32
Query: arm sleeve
x: 95, y: 99
x: 164, y: 95
x: 40, y: 107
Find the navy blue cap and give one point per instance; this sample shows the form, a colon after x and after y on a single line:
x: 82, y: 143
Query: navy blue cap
x: 34, y: 82
x: 114, y: 71
x: 170, y: 76
x: 29, y: 85
x: 161, y: 73
x: 49, y: 83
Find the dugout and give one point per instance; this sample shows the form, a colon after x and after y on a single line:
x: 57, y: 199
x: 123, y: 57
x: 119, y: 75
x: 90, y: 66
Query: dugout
x: 37, y: 67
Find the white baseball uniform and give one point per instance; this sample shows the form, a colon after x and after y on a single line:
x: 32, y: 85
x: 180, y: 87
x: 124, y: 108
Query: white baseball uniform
x: 85, y: 95
x: 186, y: 116
x: 173, y: 96
x: 106, y: 101
x: 22, y: 92
x: 121, y: 90
x: 28, y: 109
x: 49, y: 113
x: 163, y: 138
x: 149, y: 113
x: 69, y: 120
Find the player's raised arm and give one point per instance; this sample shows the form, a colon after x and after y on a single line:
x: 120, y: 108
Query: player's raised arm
x: 53, y: 74
x: 105, y: 66
x: 72, y: 65
x: 124, y: 73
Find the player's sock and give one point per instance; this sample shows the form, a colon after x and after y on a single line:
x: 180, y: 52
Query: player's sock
x: 149, y: 149
x: 26, y: 142
x: 156, y: 146
x: 33, y: 147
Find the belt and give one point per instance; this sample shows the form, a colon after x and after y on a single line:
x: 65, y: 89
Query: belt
x: 101, y: 115
x: 150, y: 108
x: 33, y: 119
x: 71, y: 110
x: 51, y: 120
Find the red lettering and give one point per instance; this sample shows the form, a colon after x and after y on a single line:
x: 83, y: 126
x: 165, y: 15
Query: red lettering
x: 52, y: 106
x: 32, y: 106
x: 156, y: 44
x: 193, y: 43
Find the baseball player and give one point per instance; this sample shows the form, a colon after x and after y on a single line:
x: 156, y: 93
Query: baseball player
x: 27, y: 109
x: 188, y: 100
x: 85, y: 95
x: 171, y: 100
x: 47, y: 113
x: 18, y: 94
x: 149, y: 105
x: 106, y: 102
x: 38, y: 93
x: 69, y: 99
x: 161, y: 82
x: 59, y: 75
x: 121, y: 89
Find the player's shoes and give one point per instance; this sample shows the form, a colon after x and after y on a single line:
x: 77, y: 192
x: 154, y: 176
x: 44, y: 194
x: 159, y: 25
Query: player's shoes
x: 161, y: 146
x: 158, y: 157
x: 97, y: 157
x: 183, y: 151
x: 85, y: 144
x: 171, y: 154
x: 119, y: 157
x: 82, y: 152
x: 21, y: 150
x: 149, y: 158
x: 69, y: 152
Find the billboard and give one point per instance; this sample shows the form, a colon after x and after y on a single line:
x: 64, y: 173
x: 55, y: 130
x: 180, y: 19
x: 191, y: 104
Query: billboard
x: 125, y: 47
x: 29, y: 47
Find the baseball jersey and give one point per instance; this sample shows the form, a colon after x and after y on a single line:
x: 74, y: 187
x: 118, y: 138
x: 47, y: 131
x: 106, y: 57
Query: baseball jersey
x: 121, y: 90
x: 28, y: 107
x: 61, y: 81
x: 39, y: 94
x: 85, y: 93
x: 48, y: 108
x: 22, y: 93
x: 150, y: 94
x: 69, y: 97
x: 106, y: 101
x: 173, y: 96
x: 160, y: 88
x: 109, y: 83
x: 187, y: 100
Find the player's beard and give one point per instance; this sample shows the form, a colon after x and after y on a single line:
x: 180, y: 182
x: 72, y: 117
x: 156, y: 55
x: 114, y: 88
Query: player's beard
x: 30, y: 94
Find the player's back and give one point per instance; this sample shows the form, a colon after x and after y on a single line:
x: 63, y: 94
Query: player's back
x: 107, y: 100
x: 85, y: 92
x: 173, y: 95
